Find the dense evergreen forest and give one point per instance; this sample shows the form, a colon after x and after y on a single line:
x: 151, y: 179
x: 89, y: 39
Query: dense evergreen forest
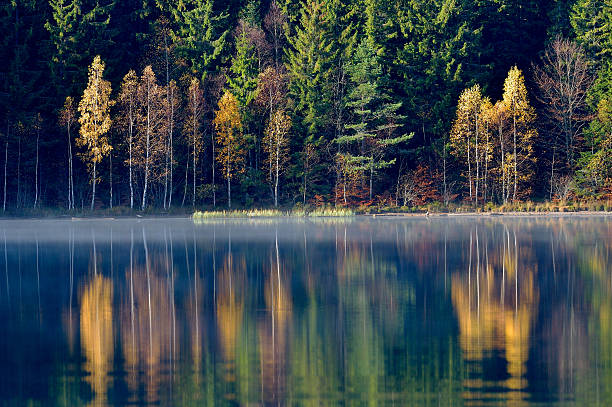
x: 242, y: 103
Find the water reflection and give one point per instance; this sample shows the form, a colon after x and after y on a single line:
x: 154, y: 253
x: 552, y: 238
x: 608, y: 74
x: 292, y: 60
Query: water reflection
x: 420, y: 312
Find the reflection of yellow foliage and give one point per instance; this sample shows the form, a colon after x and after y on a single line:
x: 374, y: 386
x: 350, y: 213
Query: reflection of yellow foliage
x: 97, y: 334
x: 229, y: 305
x: 488, y: 324
x: 146, y: 337
x: 273, y: 336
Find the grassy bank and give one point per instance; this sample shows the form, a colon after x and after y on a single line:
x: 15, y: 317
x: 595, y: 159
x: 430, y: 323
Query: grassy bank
x: 322, y: 211
x: 273, y: 213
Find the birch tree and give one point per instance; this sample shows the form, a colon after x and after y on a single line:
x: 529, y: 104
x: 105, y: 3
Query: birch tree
x: 95, y: 121
x: 230, y: 140
x: 151, y: 129
x: 172, y: 102
x: 465, y: 135
x: 193, y: 128
x: 129, y: 111
x: 276, y: 146
x: 522, y: 120
x: 67, y: 118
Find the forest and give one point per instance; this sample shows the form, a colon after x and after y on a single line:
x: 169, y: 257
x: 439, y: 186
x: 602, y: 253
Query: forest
x: 160, y: 104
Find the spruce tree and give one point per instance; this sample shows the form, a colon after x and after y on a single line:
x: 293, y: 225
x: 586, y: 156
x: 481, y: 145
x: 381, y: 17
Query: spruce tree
x: 200, y: 35
x: 309, y: 62
x: 242, y: 81
x: 375, y: 115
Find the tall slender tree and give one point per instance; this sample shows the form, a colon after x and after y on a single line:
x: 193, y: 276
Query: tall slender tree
x: 276, y: 146
x: 128, y: 103
x: 95, y: 120
x: 522, y: 120
x: 193, y: 128
x: 151, y: 132
x: 230, y: 140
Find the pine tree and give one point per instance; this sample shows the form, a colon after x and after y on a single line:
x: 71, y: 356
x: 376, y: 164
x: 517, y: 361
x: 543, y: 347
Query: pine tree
x: 95, y: 121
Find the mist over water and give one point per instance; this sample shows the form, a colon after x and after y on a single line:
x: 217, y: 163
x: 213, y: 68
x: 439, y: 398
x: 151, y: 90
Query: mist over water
x: 442, y: 311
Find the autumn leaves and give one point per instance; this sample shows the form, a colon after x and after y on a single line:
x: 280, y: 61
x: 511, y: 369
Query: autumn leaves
x: 495, y: 142
x: 147, y: 120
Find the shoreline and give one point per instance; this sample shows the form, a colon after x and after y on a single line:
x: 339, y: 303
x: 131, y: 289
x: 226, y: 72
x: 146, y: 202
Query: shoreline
x: 510, y: 214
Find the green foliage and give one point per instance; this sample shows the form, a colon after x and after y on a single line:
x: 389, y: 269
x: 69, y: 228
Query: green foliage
x: 242, y: 81
x: 309, y: 62
x: 375, y: 115
x: 200, y: 35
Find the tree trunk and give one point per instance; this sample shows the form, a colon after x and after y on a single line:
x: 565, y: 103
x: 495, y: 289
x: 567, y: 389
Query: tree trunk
x: 93, y: 188
x: 19, y: 171
x: 186, y: 178
x: 277, y: 173
x: 229, y: 190
x: 170, y: 147
x: 36, y: 170
x: 515, y: 158
x: 469, y: 166
x: 130, y: 165
x: 110, y: 157
x: 212, y: 137
x: 70, y: 180
x: 371, y: 175
x: 445, y: 198
x: 477, y: 165
x: 552, y: 173
x: 503, y: 169
x: 194, y: 160
x: 146, y: 178
x: 5, y: 164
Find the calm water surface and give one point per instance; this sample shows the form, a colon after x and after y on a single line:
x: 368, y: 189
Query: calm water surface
x: 418, y: 312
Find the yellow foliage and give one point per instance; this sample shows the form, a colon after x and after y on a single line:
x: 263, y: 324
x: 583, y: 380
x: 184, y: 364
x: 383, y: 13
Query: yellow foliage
x: 94, y: 109
x: 229, y: 136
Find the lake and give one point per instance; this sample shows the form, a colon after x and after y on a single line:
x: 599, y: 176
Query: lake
x: 361, y: 311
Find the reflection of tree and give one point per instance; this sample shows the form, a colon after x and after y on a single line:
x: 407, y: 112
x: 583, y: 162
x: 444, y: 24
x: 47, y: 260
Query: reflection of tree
x: 97, y: 334
x: 147, y: 328
x: 230, y: 311
x: 494, y: 301
x: 274, y: 332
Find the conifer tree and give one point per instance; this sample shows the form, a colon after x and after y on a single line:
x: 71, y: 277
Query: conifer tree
x: 230, y: 139
x: 242, y: 81
x: 309, y: 64
x: 200, y: 36
x: 95, y: 121
x: 376, y: 117
x: 65, y: 34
